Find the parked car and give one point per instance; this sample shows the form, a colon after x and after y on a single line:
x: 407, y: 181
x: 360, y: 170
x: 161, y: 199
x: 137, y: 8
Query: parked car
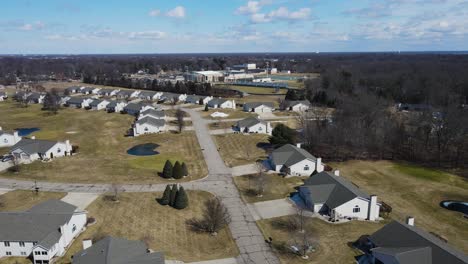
x: 6, y: 158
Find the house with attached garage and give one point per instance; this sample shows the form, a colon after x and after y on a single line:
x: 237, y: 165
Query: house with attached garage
x: 41, y: 233
x: 127, y: 94
x: 150, y: 95
x: 294, y: 161
x: 253, y: 125
x: 97, y: 104
x: 259, y: 107
x: 8, y: 139
x: 73, y: 90
x: 31, y: 149
x: 115, y: 106
x: 89, y: 90
x: 64, y: 99
x: 196, y: 99
x: 173, y: 97
x: 110, y: 250
x: 108, y: 92
x: 134, y: 109
x: 78, y: 102
x: 222, y: 103
x: 330, y: 194
x: 35, y: 98
x: 403, y: 243
x: 148, y: 125
x: 156, y: 114
x: 296, y: 106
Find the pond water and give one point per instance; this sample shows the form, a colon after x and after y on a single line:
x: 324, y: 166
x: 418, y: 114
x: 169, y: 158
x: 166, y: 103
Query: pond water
x: 458, y: 206
x: 143, y: 150
x: 22, y: 132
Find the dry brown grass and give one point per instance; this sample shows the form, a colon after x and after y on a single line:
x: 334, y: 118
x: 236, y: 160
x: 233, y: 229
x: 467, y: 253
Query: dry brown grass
x: 15, y: 260
x: 233, y: 114
x: 138, y: 216
x: 22, y: 200
x: 102, y: 147
x: 240, y: 149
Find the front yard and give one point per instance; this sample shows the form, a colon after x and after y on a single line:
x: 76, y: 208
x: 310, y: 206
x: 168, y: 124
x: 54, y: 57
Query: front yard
x: 22, y: 200
x: 240, y: 149
x: 233, y: 114
x: 138, y: 216
x: 102, y: 156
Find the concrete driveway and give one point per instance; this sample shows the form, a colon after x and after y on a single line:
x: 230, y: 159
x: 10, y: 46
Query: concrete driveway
x: 271, y: 209
x: 80, y: 200
x: 5, y: 165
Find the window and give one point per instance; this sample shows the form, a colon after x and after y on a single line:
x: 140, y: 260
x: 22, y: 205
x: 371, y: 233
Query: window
x: 34, y: 243
x: 23, y: 253
x: 59, y: 150
x: 37, y: 252
x: 21, y: 244
x: 8, y: 253
x: 260, y: 129
x: 74, y: 228
x: 146, y: 129
x: 5, y: 140
x: 356, y: 209
x: 44, y: 252
x: 7, y: 244
x: 306, y: 168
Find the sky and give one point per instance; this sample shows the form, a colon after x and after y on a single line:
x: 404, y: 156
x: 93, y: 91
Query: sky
x: 212, y: 26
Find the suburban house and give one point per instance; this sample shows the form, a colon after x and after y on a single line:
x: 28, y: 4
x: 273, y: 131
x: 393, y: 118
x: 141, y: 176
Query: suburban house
x: 97, y: 104
x: 3, y: 96
x: 21, y: 96
x: 195, y: 99
x: 73, y: 89
x: 403, y: 243
x: 173, y: 97
x: 42, y: 232
x: 87, y: 90
x: 222, y: 103
x: 64, y: 99
x: 8, y: 139
x: 135, y: 108
x: 149, y: 95
x: 108, y: 92
x: 294, y: 161
x: 29, y: 150
x: 115, y: 106
x: 259, y: 107
x: 330, y: 194
x: 296, y: 106
x: 253, y: 125
x: 156, y: 114
x: 79, y: 102
x: 35, y: 98
x: 126, y: 94
x: 148, y: 125
x: 110, y: 250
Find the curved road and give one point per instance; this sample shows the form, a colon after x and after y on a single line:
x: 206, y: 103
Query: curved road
x: 249, y: 239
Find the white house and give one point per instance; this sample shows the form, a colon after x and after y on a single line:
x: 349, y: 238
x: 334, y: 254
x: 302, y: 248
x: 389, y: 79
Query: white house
x: 97, y: 104
x: 222, y: 103
x: 173, y: 97
x: 135, y: 108
x: 205, y: 76
x: 148, y: 125
x: 3, y: 96
x: 330, y: 194
x: 195, y: 99
x: 150, y: 95
x: 43, y: 232
x: 259, y: 107
x: 35, y: 98
x: 8, y: 139
x: 294, y: 161
x: 253, y: 125
x: 87, y: 90
x: 297, y: 106
x: 29, y: 150
x: 73, y: 90
x: 79, y: 102
x: 115, y: 106
x: 108, y: 92
x: 156, y: 114
x: 126, y: 94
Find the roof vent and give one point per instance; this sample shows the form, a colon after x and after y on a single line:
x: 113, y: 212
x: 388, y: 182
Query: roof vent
x: 410, y: 221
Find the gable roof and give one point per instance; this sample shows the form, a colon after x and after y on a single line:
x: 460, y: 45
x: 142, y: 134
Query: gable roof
x: 96, y: 102
x: 410, y: 255
x: 151, y: 121
x: 154, y: 113
x: 249, y: 122
x: 112, y: 250
x: 217, y: 101
x: 400, y: 235
x: 332, y: 190
x: 114, y: 103
x: 193, y: 98
x: 39, y: 224
x: 257, y: 104
x: 289, y: 155
x: 147, y: 94
x: 73, y: 88
x: 76, y: 100
x: 32, y: 146
x: 106, y: 91
x: 294, y: 103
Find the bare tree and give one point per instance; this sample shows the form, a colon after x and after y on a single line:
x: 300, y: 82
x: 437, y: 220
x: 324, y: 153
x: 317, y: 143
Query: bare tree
x: 52, y: 101
x: 215, y: 217
x: 180, y: 119
x: 303, y: 243
x: 15, y: 160
x: 114, y: 191
x: 261, y: 179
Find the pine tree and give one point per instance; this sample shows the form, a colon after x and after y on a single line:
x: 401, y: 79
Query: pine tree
x: 166, y: 196
x: 167, y: 171
x: 184, y: 169
x: 173, y: 195
x: 177, y: 172
x: 206, y: 108
x: 181, y: 200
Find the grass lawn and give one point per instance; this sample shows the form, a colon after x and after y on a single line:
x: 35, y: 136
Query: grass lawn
x: 233, y: 113
x: 277, y: 187
x: 102, y: 147
x: 290, y: 122
x: 22, y: 200
x: 240, y: 149
x: 333, y: 239
x: 162, y: 226
x: 257, y: 90
x: 219, y: 125
x: 15, y: 260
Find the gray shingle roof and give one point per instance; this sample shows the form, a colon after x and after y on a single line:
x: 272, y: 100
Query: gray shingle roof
x: 257, y: 104
x: 105, y: 91
x: 95, y: 102
x: 76, y: 100
x: 154, y: 113
x: 334, y: 190
x: 134, y: 107
x: 113, y: 104
x: 146, y: 94
x: 409, y: 255
x: 217, y: 101
x: 399, y: 235
x: 39, y: 224
x: 112, y: 250
x: 32, y: 146
x: 194, y: 99
x: 289, y: 155
x: 248, y: 122
x: 293, y: 103
x: 151, y: 121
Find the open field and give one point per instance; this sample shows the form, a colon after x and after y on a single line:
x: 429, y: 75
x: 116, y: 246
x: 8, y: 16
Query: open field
x: 333, y: 239
x: 255, y: 90
x: 102, y: 145
x: 276, y: 187
x: 240, y: 149
x: 290, y: 122
x: 162, y: 226
x: 22, y: 200
x: 416, y: 191
x: 221, y: 125
x: 233, y: 114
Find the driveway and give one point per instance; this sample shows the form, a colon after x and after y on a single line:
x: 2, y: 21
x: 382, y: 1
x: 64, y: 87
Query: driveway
x: 5, y: 165
x: 221, y: 131
x: 244, y: 170
x: 80, y: 200
x: 271, y: 209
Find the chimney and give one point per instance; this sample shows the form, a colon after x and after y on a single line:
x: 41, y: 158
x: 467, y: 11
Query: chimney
x: 337, y: 172
x: 33, y: 137
x: 299, y: 145
x: 67, y: 142
x: 0, y: 128
x: 319, y: 166
x: 87, y: 243
x: 373, y: 212
x: 410, y: 220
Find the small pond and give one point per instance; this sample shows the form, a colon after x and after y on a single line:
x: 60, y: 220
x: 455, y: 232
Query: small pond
x: 458, y: 206
x: 143, y: 150
x: 22, y: 132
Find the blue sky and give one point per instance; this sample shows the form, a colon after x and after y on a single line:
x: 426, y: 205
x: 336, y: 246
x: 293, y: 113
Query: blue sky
x: 181, y: 26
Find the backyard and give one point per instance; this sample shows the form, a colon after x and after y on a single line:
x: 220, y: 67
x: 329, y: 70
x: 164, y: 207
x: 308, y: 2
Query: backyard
x: 102, y: 154
x: 240, y: 149
x: 138, y: 216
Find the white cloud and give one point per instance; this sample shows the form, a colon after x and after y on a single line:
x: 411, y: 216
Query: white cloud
x: 150, y: 35
x: 177, y: 12
x: 282, y: 14
x: 154, y: 12
x: 38, y: 25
